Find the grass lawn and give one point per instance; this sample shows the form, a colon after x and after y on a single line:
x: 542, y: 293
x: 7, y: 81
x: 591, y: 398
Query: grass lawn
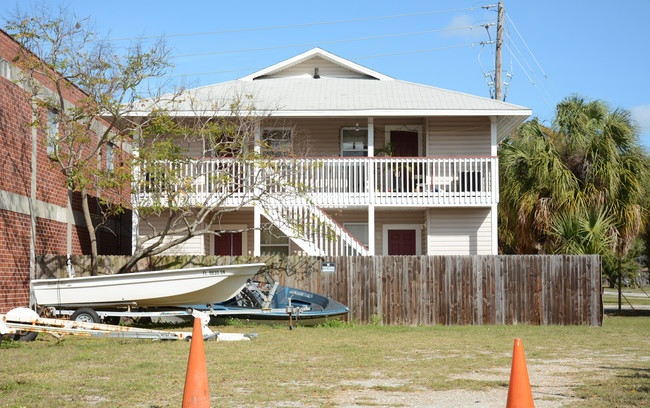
x: 631, y: 297
x: 341, y: 365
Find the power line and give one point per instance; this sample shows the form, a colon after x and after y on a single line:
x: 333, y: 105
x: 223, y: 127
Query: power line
x: 297, y: 25
x: 353, y: 58
x: 533, y: 55
x: 425, y: 50
x: 544, y: 88
x: 326, y: 42
x: 529, y: 78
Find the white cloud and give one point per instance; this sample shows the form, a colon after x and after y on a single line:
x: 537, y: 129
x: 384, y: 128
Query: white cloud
x: 642, y: 115
x: 464, y: 20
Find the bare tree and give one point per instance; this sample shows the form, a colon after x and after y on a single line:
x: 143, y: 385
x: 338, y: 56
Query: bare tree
x: 80, y: 87
x: 184, y: 161
x: 195, y: 168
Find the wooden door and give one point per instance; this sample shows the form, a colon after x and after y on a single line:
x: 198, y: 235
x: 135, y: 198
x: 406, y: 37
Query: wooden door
x: 405, y: 143
x: 401, y: 242
x: 228, y: 243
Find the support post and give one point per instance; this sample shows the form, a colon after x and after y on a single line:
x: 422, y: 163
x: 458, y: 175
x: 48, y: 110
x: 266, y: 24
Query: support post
x: 257, y: 233
x: 494, y: 224
x: 371, y: 230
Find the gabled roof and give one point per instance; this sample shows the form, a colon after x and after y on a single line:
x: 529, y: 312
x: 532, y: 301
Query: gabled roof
x: 341, y: 88
x: 317, y: 54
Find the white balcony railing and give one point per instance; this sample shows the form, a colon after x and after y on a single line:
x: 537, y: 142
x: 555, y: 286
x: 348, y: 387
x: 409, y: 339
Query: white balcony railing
x: 340, y: 182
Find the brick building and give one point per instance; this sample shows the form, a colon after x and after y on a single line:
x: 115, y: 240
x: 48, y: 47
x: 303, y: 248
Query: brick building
x: 38, y: 214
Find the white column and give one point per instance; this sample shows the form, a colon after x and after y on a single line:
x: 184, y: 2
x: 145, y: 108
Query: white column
x: 495, y: 176
x: 258, y: 138
x: 493, y: 135
x: 257, y: 234
x: 135, y: 222
x: 371, y: 230
x: 371, y: 137
x: 257, y: 214
x: 370, y: 166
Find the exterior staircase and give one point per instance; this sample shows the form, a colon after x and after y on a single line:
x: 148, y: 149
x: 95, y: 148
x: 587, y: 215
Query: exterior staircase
x: 312, y: 229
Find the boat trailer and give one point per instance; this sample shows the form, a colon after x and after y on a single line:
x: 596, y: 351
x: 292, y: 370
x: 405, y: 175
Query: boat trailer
x: 20, y: 320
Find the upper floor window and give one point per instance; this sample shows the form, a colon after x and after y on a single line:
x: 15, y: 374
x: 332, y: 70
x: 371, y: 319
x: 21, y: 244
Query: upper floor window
x: 110, y: 156
x: 354, y: 142
x: 5, y: 68
x: 52, y: 131
x: 277, y: 141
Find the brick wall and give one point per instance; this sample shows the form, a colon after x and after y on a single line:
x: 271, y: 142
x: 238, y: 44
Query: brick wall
x: 15, y: 184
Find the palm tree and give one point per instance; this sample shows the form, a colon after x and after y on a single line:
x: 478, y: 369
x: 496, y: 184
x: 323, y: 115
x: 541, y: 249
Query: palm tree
x: 535, y: 184
x: 584, y: 232
x: 588, y: 168
x: 603, y: 151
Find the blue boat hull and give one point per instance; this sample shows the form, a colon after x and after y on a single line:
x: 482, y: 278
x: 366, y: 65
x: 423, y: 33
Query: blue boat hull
x: 255, y: 304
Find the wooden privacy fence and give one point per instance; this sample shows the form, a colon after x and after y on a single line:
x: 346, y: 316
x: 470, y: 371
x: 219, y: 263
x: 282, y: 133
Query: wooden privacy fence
x: 428, y: 290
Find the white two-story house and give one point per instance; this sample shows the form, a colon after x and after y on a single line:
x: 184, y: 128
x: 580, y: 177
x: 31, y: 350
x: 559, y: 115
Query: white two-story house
x: 396, y: 168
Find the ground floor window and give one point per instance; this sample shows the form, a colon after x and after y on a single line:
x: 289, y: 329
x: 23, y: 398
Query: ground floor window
x: 273, y: 241
x: 230, y: 241
x: 359, y: 230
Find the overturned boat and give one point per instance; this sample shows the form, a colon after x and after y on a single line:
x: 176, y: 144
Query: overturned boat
x: 263, y: 300
x: 172, y: 287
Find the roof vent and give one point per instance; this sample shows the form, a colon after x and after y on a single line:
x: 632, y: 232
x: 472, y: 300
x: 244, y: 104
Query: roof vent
x: 316, y: 76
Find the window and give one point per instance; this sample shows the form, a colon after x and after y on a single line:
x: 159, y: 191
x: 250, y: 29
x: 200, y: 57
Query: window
x: 354, y: 142
x: 273, y: 241
x: 110, y: 153
x: 277, y: 141
x: 358, y: 230
x: 52, y: 131
x: 5, y: 69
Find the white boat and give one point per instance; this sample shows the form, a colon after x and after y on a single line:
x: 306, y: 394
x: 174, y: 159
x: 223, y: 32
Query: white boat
x: 172, y: 287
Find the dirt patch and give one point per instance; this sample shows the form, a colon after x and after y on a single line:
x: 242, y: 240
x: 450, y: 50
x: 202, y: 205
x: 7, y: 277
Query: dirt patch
x: 552, y: 383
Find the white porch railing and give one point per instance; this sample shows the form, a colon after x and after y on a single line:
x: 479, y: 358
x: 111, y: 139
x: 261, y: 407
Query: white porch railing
x: 398, y: 181
x: 341, y: 182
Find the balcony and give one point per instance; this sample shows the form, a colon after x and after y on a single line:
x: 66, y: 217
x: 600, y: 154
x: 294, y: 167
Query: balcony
x: 344, y: 182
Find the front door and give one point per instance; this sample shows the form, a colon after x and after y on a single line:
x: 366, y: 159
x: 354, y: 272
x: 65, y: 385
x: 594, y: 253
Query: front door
x: 401, y: 242
x: 405, y: 143
x: 228, y: 243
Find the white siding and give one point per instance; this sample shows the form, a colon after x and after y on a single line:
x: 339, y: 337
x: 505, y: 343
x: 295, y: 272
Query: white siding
x: 193, y: 246
x: 459, y: 231
x: 397, y: 216
x: 458, y: 137
x: 325, y: 67
x: 242, y: 217
x: 321, y: 137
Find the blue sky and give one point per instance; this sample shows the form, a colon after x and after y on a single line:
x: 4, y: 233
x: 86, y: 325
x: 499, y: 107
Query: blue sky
x: 597, y: 49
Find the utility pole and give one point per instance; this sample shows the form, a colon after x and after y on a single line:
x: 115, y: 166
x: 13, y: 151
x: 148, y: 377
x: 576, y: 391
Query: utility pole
x: 497, y: 63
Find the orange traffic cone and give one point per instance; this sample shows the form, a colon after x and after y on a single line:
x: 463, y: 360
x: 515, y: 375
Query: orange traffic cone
x: 519, y: 392
x: 196, y: 393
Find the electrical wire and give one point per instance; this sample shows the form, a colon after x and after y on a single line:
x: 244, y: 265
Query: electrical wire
x: 296, y: 25
x: 537, y: 80
x: 325, y: 42
x: 416, y: 51
x: 353, y: 58
x: 531, y: 80
x: 533, y: 55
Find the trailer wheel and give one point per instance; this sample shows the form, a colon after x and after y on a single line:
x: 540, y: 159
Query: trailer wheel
x: 27, y: 336
x: 85, y: 315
